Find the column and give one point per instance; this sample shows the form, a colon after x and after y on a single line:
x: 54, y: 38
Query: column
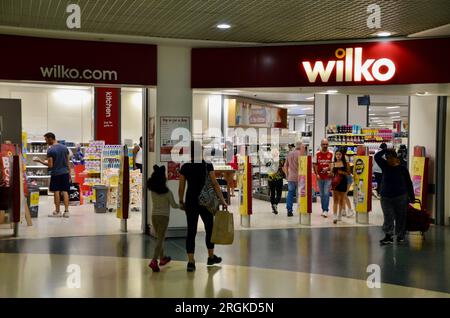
x: 173, y: 98
x: 319, y: 120
x: 422, y: 125
x: 447, y: 170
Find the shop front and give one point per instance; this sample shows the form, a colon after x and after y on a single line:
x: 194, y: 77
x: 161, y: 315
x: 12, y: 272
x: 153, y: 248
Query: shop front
x: 357, y: 95
x: 94, y: 97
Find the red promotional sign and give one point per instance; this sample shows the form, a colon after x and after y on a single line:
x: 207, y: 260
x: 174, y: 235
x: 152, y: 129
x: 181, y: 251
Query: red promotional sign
x: 7, y: 152
x: 58, y: 60
x: 369, y: 63
x: 107, y: 115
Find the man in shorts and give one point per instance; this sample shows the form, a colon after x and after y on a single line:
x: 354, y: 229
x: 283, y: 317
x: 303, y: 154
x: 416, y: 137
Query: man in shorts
x: 58, y: 159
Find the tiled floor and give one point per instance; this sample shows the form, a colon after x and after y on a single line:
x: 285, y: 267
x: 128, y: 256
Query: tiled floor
x: 316, y: 262
x: 83, y: 220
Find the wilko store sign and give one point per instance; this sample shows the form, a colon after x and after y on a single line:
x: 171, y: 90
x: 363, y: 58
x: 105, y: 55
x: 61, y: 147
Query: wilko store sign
x: 107, y: 115
x: 349, y: 66
x: 74, y: 61
x: 384, y: 62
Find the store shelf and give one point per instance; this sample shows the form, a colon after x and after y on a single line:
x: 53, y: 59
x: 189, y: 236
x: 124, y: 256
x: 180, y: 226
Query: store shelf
x: 347, y: 134
x: 345, y: 144
x: 38, y: 177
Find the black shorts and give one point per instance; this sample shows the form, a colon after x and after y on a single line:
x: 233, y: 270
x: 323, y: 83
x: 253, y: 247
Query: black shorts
x: 60, y: 183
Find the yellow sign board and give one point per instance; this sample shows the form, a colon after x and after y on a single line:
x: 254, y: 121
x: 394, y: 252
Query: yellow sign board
x: 418, y: 173
x: 245, y: 186
x: 304, y: 186
x: 362, y: 184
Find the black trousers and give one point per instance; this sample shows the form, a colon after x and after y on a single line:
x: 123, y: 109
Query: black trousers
x: 276, y: 187
x: 192, y: 214
x: 378, y: 178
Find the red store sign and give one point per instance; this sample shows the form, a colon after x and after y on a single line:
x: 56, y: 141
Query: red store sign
x: 107, y: 115
x: 369, y: 63
x: 55, y: 60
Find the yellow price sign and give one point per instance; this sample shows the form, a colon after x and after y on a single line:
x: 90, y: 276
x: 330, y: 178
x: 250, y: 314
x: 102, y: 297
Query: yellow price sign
x: 34, y: 199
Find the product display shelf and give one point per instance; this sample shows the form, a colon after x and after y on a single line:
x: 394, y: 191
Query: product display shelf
x: 110, y: 167
x: 93, y: 157
x: 36, y: 173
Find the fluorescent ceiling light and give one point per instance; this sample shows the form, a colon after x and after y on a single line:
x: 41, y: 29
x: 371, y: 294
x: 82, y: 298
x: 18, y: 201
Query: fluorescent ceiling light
x: 291, y: 105
x: 332, y: 91
x: 392, y: 107
x: 383, y: 33
x: 372, y: 114
x: 232, y: 91
x: 393, y: 113
x: 422, y: 93
x: 393, y: 117
x: 223, y: 26
x: 307, y: 108
x: 310, y: 98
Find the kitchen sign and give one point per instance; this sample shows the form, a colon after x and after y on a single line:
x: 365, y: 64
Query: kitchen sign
x: 107, y: 115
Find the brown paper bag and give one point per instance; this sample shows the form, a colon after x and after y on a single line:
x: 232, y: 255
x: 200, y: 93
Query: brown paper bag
x: 223, y: 228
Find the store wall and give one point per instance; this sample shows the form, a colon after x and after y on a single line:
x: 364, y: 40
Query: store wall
x: 423, y: 118
x: 131, y: 115
x: 357, y: 115
x: 66, y: 112
x: 200, y: 104
x: 337, y: 109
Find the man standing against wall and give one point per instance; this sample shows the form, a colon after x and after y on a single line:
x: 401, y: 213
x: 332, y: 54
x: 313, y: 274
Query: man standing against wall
x: 291, y: 171
x: 58, y: 162
x: 322, y: 163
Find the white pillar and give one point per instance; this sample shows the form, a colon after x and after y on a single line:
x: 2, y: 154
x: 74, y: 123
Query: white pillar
x: 447, y: 169
x: 319, y: 120
x: 174, y: 98
x: 422, y: 128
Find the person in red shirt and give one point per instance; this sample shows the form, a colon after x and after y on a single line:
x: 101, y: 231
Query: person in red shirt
x: 322, y: 169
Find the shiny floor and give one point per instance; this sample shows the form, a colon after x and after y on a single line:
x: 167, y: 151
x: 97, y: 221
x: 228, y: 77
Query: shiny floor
x: 84, y: 221
x: 297, y: 262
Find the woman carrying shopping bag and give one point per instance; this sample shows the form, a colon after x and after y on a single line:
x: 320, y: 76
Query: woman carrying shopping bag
x: 194, y: 173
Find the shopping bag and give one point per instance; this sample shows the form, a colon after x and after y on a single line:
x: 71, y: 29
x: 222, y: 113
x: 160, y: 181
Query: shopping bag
x: 223, y: 228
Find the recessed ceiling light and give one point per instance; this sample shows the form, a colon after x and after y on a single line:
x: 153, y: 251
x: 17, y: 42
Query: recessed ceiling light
x: 393, y: 113
x: 392, y: 107
x: 223, y: 26
x: 383, y: 33
x: 332, y: 91
x: 422, y: 93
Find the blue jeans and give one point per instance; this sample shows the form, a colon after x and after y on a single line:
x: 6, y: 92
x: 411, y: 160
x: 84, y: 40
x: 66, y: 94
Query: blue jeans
x: 324, y: 188
x: 292, y: 189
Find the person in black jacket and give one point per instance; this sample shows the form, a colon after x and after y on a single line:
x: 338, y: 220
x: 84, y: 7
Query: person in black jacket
x: 396, y: 191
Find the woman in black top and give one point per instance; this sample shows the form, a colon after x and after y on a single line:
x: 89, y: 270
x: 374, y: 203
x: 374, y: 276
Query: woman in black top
x: 340, y: 171
x: 396, y: 191
x: 194, y: 173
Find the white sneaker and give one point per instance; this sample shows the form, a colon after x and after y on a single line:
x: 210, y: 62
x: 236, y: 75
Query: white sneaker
x: 350, y: 213
x: 55, y: 215
x: 66, y: 214
x: 335, y: 218
x: 325, y: 214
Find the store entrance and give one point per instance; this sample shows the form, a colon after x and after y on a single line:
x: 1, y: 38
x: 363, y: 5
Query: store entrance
x: 346, y: 120
x: 70, y: 112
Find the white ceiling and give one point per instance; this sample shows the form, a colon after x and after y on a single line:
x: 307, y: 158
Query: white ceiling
x: 253, y: 21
